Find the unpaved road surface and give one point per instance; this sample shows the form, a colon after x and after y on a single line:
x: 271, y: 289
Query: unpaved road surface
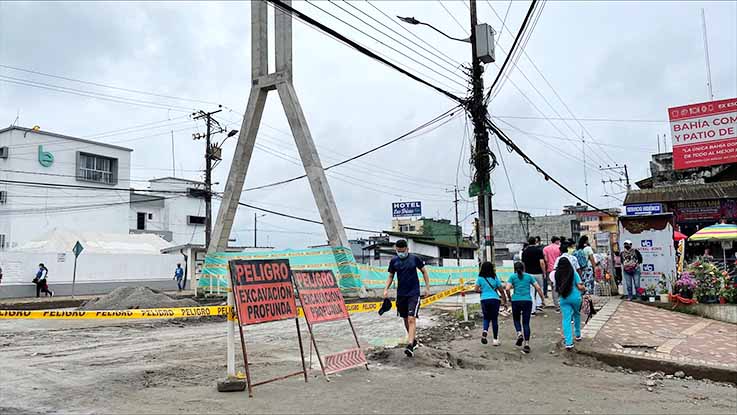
x: 88, y: 366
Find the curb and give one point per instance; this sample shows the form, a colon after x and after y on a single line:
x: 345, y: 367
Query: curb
x: 642, y: 363
x: 638, y: 360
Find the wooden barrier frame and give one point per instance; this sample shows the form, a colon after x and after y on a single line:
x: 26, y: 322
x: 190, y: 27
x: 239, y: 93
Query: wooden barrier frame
x: 249, y: 382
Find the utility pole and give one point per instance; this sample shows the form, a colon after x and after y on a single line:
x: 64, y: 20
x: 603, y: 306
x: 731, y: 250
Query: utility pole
x: 458, y: 228
x: 585, y: 175
x: 481, y: 135
x: 210, y: 154
x: 622, y: 170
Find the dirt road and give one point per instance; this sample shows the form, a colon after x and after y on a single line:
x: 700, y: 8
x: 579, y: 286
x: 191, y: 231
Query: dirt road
x: 172, y: 366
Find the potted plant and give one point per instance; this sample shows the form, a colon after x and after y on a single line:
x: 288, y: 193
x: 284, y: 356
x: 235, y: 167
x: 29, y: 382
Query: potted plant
x: 728, y: 291
x: 651, y: 291
x: 663, y: 284
x: 708, y: 282
x: 686, y: 285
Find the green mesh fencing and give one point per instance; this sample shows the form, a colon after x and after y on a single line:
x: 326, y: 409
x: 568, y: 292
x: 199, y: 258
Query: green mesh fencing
x: 351, y: 276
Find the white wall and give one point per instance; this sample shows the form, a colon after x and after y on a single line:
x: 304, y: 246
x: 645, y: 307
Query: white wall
x: 101, y: 270
x: 173, y: 216
x: 31, y: 211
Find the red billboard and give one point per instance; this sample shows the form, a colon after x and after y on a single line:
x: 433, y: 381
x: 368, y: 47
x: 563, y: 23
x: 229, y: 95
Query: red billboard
x: 263, y: 290
x: 320, y: 296
x: 704, y: 134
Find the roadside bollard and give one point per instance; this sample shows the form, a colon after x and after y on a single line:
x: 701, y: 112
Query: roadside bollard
x: 463, y: 300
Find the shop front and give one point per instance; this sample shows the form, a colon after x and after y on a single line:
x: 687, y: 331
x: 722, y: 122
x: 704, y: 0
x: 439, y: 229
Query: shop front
x: 694, y: 207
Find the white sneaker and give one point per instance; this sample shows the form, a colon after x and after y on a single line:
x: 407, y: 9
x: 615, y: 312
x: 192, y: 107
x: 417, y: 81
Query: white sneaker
x: 495, y: 342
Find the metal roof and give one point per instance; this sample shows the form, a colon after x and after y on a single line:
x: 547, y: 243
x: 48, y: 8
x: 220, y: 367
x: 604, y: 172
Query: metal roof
x: 66, y: 137
x: 682, y: 192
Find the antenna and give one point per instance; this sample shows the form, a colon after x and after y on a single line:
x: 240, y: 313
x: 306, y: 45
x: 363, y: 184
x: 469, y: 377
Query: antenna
x: 658, y: 143
x: 706, y: 55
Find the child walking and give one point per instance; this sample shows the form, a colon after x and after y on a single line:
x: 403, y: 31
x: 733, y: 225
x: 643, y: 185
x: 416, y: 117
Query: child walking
x: 522, y: 303
x: 491, y: 289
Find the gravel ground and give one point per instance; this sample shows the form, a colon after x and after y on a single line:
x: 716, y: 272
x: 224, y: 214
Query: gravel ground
x: 88, y: 366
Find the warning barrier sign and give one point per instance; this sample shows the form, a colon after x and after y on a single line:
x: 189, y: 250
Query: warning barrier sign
x: 322, y: 302
x: 263, y: 290
x: 320, y: 296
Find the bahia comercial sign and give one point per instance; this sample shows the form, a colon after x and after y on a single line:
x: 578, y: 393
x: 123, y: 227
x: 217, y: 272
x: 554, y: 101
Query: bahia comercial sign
x: 704, y: 134
x: 400, y: 209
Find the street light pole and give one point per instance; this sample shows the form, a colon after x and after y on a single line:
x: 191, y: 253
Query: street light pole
x: 477, y: 110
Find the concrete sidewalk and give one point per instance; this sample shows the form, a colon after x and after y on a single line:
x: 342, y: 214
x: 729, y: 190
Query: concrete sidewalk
x: 643, y: 337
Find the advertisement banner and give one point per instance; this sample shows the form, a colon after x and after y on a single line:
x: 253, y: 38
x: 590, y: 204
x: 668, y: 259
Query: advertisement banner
x: 653, y: 237
x: 400, y: 209
x: 704, y: 134
x: 320, y: 296
x: 263, y: 290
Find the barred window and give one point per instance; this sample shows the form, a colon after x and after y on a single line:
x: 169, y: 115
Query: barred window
x: 93, y: 168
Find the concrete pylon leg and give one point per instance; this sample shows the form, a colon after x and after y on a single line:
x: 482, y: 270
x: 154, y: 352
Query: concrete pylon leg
x: 313, y: 167
x: 228, y: 208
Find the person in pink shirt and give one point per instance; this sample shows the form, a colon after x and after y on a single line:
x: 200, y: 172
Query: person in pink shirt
x: 551, y: 253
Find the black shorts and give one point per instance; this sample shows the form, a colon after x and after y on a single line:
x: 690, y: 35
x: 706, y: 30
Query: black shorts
x: 408, y: 306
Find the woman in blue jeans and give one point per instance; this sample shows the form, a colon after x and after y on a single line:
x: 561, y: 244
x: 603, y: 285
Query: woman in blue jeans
x: 522, y: 303
x: 569, y: 286
x: 492, y: 295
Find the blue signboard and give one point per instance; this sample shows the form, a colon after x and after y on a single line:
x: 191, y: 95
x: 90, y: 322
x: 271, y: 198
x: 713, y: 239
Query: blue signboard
x: 406, y: 209
x: 644, y: 209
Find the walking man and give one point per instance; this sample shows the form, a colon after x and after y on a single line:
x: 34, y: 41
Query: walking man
x: 41, y: 280
x: 405, y: 266
x: 534, y: 261
x: 179, y: 275
x: 631, y: 260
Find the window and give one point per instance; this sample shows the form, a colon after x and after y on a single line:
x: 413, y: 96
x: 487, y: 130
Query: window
x: 3, y: 197
x: 2, y: 241
x: 150, y: 216
x: 141, y: 221
x: 4, y: 152
x: 407, y: 228
x: 195, y: 220
x: 99, y: 169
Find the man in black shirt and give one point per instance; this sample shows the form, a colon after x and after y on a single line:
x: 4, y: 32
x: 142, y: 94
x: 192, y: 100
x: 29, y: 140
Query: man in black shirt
x: 534, y: 261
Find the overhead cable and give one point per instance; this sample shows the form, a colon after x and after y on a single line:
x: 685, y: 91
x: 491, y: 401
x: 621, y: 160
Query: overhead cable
x: 312, y: 22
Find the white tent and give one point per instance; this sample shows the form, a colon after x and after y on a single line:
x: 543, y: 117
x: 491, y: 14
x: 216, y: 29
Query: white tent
x: 63, y: 240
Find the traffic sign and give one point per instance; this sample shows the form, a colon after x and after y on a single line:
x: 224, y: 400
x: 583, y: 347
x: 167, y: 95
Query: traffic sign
x: 78, y: 248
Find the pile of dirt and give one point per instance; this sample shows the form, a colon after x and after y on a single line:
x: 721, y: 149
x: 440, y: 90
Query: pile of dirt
x: 126, y: 298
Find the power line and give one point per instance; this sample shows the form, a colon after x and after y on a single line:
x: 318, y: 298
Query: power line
x: 451, y: 71
x: 453, y: 17
x: 382, y: 43
x: 511, y: 144
x: 449, y: 59
x: 312, y: 22
x: 513, y: 48
x: 78, y: 208
x: 80, y: 92
x: 83, y: 187
x: 582, y: 119
x: 135, y: 91
x: 434, y: 120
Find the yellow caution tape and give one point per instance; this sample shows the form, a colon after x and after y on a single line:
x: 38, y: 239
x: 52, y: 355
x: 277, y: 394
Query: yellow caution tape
x: 188, y: 312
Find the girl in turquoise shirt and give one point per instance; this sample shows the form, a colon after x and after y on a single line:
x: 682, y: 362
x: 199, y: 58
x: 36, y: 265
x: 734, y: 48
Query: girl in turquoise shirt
x: 522, y: 303
x: 490, y: 288
x: 569, y: 286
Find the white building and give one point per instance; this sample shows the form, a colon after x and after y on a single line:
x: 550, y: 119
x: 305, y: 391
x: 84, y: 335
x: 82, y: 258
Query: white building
x: 46, y: 180
x: 172, y: 208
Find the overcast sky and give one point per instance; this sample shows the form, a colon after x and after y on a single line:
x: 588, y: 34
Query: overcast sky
x: 606, y: 60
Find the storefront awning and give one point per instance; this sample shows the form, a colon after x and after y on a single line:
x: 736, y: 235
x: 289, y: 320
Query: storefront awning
x: 684, y: 192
